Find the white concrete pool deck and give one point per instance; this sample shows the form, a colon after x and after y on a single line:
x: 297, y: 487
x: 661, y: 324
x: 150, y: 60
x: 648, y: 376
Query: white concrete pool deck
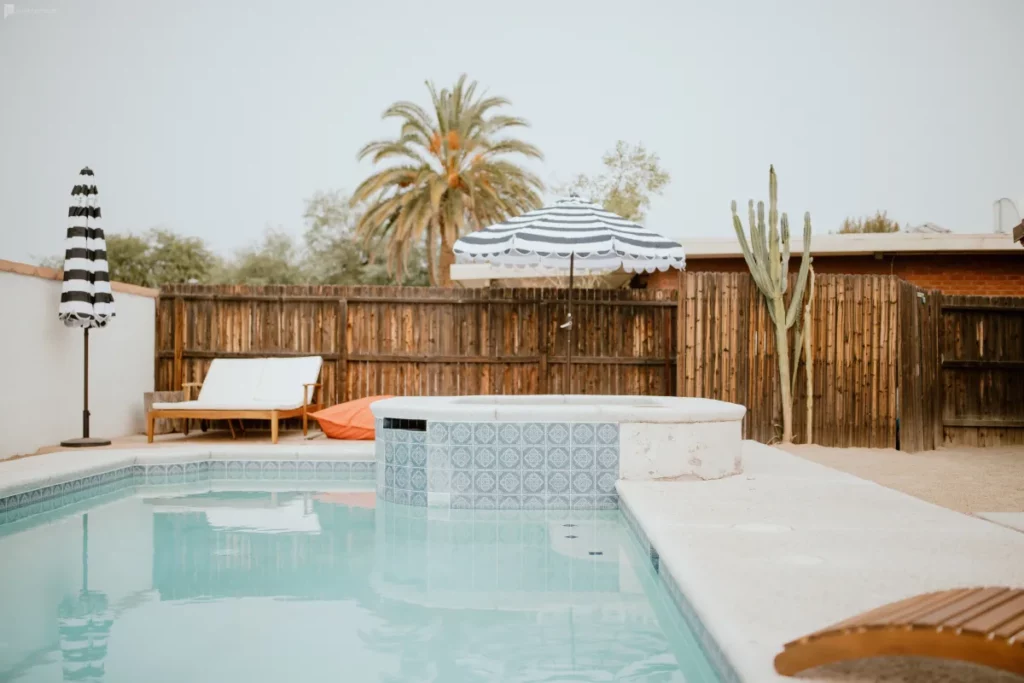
x: 790, y: 546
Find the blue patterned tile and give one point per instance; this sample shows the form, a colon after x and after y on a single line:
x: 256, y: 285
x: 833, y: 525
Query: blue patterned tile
x: 461, y: 434
x: 418, y: 455
x: 533, y: 434
x: 577, y: 502
x: 306, y: 470
x: 509, y: 458
x: 175, y: 470
x: 389, y: 495
x: 342, y: 470
x: 401, y: 497
x: 533, y: 502
x: 510, y: 434
x: 583, y: 434
x: 557, y: 458
x: 400, y: 436
x: 417, y: 479
x: 234, y: 469
x: 418, y: 438
x: 174, y: 479
x: 389, y: 475
x: 288, y: 470
x: 155, y: 474
x: 362, y: 469
x: 583, y: 458
x: 484, y: 482
x: 556, y: 502
x: 608, y: 458
x: 534, y: 481
x: 438, y: 457
x: 389, y: 453
x: 510, y: 482
x: 606, y: 502
x: 510, y: 503
x: 418, y: 499
x: 461, y: 502
x: 203, y: 466
x: 557, y: 434
x: 462, y: 457
x: 484, y: 502
x: 402, y: 478
x: 608, y: 434
x: 605, y: 482
x: 582, y: 482
x: 461, y: 482
x: 533, y: 457
x: 253, y: 469
x: 324, y: 471
x: 437, y: 433
x: 484, y: 457
x: 558, y: 482
x: 439, y: 480
x: 402, y: 454
x: 484, y: 434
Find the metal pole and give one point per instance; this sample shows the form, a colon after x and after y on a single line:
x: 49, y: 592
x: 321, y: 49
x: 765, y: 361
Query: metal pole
x: 85, y: 384
x: 568, y: 355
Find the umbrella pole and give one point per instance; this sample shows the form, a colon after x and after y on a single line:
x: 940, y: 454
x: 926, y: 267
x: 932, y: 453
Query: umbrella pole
x: 86, y: 441
x: 568, y: 354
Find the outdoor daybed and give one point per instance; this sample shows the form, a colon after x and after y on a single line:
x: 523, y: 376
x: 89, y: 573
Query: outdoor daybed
x: 249, y: 389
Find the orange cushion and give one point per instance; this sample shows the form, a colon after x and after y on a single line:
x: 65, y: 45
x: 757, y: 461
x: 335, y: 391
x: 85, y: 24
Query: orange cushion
x: 352, y: 421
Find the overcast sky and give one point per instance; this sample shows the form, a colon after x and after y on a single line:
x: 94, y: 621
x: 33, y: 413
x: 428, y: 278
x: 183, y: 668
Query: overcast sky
x: 218, y: 118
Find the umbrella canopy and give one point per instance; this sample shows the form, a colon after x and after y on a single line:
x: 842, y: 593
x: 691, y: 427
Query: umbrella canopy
x: 598, y: 241
x: 86, y: 300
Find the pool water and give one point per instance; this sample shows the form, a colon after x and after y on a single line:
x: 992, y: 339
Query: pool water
x: 167, y: 585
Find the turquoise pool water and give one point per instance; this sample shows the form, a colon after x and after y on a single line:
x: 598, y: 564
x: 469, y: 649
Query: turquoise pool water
x: 254, y: 586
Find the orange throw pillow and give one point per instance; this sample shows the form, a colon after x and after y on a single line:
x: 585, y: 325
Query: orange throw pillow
x: 352, y: 421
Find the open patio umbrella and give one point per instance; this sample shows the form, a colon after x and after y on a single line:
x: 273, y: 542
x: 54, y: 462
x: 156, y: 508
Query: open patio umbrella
x: 86, y: 300
x: 575, y: 234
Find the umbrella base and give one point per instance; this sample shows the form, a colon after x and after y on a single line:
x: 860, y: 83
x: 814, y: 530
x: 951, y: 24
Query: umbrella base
x: 90, y: 442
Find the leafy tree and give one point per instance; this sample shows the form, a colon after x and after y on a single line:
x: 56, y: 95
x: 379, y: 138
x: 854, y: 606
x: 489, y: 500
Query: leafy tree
x: 274, y: 261
x: 335, y: 255
x: 448, y: 172
x: 631, y: 177
x: 129, y: 260
x: 880, y: 222
x: 172, y: 258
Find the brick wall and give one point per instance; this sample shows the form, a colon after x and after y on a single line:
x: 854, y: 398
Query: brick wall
x: 981, y: 274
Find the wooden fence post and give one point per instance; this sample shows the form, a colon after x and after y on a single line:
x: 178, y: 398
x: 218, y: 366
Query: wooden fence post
x: 342, y: 388
x: 667, y: 336
x: 178, y: 368
x: 542, y: 347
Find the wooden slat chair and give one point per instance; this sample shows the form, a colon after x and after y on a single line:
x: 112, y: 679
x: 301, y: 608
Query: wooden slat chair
x: 251, y: 388
x: 977, y: 625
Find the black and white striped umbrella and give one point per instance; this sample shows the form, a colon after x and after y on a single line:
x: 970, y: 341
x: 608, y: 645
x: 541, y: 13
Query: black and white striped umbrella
x: 598, y: 241
x: 86, y: 300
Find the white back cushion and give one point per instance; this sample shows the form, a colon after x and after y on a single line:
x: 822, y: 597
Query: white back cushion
x: 231, y: 380
x: 282, y: 379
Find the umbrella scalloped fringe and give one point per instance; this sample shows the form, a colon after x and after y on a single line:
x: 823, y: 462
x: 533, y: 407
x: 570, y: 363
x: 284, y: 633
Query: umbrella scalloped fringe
x: 634, y: 264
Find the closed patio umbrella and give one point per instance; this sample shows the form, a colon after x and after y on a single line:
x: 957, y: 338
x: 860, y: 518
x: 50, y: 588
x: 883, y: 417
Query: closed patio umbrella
x: 575, y: 234
x: 86, y: 300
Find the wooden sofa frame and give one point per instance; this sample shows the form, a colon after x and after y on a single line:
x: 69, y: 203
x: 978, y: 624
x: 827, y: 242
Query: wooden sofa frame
x: 275, y: 416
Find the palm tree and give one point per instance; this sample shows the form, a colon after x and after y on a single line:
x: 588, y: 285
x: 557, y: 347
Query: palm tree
x: 449, y: 172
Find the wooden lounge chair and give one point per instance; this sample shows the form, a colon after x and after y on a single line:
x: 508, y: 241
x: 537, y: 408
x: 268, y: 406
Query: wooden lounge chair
x: 977, y: 625
x: 249, y: 389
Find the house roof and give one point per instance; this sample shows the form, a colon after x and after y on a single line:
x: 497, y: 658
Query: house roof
x: 868, y: 243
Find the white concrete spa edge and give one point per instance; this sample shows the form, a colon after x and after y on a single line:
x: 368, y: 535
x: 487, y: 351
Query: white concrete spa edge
x: 660, y: 437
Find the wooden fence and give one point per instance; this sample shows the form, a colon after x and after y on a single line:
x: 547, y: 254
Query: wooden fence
x: 877, y: 349
x: 982, y: 378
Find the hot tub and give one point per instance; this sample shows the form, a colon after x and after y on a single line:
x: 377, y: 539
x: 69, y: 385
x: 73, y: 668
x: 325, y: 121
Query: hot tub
x: 547, y: 452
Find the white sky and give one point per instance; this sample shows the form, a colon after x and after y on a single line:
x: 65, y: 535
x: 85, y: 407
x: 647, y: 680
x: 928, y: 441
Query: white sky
x: 218, y: 118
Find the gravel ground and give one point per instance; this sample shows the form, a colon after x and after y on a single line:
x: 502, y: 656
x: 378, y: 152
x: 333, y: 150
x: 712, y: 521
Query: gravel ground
x: 964, y: 479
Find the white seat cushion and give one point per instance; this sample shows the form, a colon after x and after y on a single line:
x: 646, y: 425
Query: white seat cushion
x: 232, y: 380
x: 234, y: 405
x: 283, y: 378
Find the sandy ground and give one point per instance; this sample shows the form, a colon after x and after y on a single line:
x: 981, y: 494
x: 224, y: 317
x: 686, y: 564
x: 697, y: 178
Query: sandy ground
x: 968, y: 480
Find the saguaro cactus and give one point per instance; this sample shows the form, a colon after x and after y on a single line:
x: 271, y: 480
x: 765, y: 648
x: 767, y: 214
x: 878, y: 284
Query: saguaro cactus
x: 767, y: 256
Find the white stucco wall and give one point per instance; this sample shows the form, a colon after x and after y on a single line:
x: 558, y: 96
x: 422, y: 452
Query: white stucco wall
x: 41, y: 367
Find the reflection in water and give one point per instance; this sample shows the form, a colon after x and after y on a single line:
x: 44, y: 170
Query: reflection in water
x: 466, y: 596
x: 84, y: 623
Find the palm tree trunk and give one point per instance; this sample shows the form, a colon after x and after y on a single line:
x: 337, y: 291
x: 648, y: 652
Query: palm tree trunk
x: 432, y: 254
x: 447, y: 256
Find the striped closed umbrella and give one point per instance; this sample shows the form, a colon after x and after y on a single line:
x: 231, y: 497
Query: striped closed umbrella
x: 86, y: 300
x: 571, y: 234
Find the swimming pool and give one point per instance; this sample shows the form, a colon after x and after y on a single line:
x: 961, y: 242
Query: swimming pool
x: 284, y: 581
